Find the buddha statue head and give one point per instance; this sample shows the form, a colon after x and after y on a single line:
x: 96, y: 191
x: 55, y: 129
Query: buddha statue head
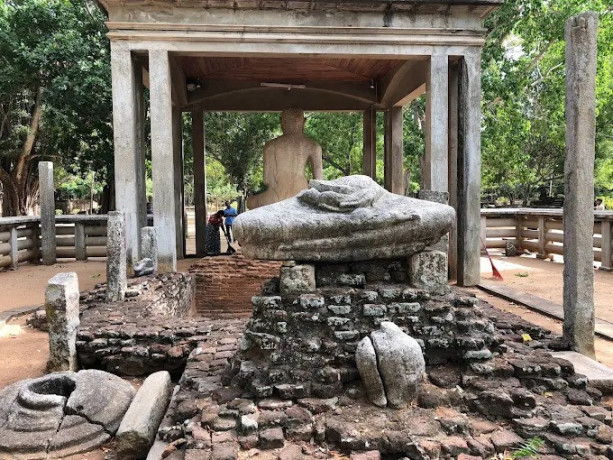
x: 292, y: 121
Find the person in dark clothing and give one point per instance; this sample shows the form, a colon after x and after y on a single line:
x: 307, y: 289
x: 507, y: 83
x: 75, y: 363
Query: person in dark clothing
x: 213, y: 240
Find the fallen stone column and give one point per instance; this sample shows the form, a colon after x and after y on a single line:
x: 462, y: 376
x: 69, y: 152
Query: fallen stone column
x: 139, y: 426
x: 62, y: 308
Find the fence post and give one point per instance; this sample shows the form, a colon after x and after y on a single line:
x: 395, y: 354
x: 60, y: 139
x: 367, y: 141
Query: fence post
x: 542, y: 241
x: 79, y: 241
x: 519, y: 228
x: 605, y: 247
x: 14, y: 248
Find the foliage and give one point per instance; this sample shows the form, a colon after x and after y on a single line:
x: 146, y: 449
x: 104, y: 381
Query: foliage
x: 236, y: 141
x: 523, y: 142
x: 530, y: 449
x: 55, y: 99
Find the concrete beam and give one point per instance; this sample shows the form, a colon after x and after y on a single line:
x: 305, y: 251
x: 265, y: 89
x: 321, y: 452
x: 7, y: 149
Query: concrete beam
x: 469, y: 169
x: 437, y: 122
x: 128, y: 135
x: 279, y: 99
x: 212, y: 89
x: 401, y: 86
x: 369, y: 155
x: 162, y: 157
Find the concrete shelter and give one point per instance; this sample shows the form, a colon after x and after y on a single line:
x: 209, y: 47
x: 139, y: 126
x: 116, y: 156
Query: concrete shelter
x: 261, y: 55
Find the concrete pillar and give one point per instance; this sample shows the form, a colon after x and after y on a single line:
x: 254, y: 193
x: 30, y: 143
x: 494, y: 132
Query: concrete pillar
x: 128, y: 134
x: 149, y: 245
x: 199, y: 180
x: 393, y: 156
x: 606, y: 246
x: 116, y: 257
x: 62, y: 308
x: 578, y: 330
x: 162, y: 128
x: 452, y: 162
x: 369, y: 155
x: 177, y: 149
x: 437, y: 131
x: 47, y: 212
x: 469, y: 168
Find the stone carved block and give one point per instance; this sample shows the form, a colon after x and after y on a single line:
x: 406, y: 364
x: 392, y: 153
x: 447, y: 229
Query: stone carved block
x: 391, y: 364
x: 297, y: 279
x: 62, y: 310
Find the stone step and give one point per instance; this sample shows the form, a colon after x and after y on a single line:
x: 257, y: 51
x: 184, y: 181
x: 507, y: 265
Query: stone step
x: 598, y: 375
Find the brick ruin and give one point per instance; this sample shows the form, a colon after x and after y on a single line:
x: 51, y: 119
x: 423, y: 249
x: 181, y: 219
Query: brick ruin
x: 298, y: 345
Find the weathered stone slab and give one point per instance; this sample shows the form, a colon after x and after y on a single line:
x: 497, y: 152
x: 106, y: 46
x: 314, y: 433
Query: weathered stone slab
x: 139, y: 426
x: 598, y: 375
x: 297, y: 279
x: 348, y: 219
x: 62, y: 309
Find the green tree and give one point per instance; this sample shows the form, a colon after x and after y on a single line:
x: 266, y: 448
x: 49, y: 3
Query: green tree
x: 524, y: 89
x: 55, y: 99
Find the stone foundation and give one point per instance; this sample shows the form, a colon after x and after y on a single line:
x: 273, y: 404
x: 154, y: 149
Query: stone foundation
x: 225, y: 285
x: 301, y: 345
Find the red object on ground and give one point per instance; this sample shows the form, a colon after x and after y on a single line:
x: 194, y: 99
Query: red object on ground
x: 495, y: 271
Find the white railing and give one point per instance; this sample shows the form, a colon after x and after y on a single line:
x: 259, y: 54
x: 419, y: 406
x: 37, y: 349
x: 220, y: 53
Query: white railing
x: 76, y: 237
x: 542, y: 231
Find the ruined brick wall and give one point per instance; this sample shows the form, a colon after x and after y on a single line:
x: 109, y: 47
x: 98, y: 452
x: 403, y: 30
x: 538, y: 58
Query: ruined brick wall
x: 225, y: 285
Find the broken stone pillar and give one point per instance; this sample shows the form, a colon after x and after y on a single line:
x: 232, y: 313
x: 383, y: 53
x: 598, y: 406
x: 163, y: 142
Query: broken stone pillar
x: 116, y: 281
x: 47, y: 212
x: 62, y: 309
x: 140, y: 423
x: 149, y: 245
x: 581, y: 34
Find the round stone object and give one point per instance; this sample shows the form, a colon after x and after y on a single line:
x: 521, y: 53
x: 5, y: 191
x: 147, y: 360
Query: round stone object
x: 61, y: 414
x: 347, y: 219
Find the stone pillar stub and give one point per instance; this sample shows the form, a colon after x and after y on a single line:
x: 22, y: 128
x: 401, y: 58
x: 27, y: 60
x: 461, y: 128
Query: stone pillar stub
x: 198, y: 147
x: 578, y: 330
x: 149, y: 244
x: 47, y: 212
x: 297, y: 278
x: 437, y: 122
x: 162, y: 159
x: 116, y: 277
x: 62, y: 309
x: 469, y: 169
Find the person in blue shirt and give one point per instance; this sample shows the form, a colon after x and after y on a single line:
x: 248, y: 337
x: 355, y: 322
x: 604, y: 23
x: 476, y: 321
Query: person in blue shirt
x: 230, y: 214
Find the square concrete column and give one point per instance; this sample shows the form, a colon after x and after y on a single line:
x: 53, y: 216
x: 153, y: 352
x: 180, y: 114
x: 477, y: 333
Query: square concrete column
x: 437, y: 114
x: 452, y: 161
x: 469, y: 168
x: 162, y: 157
x: 128, y: 134
x: 47, y: 212
x: 578, y: 331
x: 393, y: 156
x: 177, y: 148
x: 199, y: 179
x: 369, y: 155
